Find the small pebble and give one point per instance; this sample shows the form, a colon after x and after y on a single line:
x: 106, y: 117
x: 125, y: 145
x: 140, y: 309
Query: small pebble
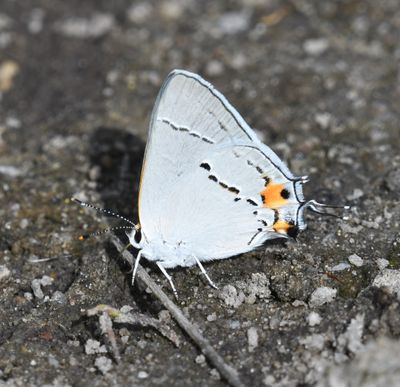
x: 315, y: 341
x: 164, y: 316
x: 36, y: 288
x: 28, y: 296
x: 382, y: 263
x: 214, y: 374
x: 140, y: 13
x: 357, y: 194
x: 356, y: 260
x: 315, y: 46
x: 35, y: 24
x: 143, y: 375
x: 104, y: 364
x: 171, y: 10
x: 212, y: 317
x: 390, y: 279
x: 200, y: 359
x: 99, y: 24
x: 59, y: 297
x: 313, y: 319
x: 23, y: 224
x: 93, y: 347
x: 322, y: 296
x: 4, y: 273
x: 323, y: 120
x: 231, y: 23
x: 252, y: 337
x: 53, y: 361
x: 214, y: 68
x: 231, y: 296
x: 8, y: 70
x: 341, y: 266
x: 46, y: 280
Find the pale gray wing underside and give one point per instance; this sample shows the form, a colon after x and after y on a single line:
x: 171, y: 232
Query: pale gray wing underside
x: 203, y: 173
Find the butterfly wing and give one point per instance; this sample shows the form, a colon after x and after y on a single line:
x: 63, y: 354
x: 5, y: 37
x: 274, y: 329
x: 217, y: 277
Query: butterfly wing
x: 207, y: 181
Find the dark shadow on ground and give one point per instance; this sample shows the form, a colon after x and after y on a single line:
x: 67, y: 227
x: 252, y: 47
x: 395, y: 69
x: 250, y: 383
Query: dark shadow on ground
x: 117, y: 156
x: 116, y: 159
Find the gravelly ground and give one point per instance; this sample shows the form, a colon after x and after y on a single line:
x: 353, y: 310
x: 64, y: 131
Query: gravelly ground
x: 318, y: 80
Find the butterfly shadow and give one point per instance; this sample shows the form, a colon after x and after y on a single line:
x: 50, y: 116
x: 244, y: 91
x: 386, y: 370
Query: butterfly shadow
x: 116, y: 159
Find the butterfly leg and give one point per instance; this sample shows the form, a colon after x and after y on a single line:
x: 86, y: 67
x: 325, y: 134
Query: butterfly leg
x: 205, y: 273
x: 169, y: 278
x: 136, y: 266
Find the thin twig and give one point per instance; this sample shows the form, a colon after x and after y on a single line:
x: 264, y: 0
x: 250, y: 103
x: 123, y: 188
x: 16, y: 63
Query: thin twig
x: 226, y: 371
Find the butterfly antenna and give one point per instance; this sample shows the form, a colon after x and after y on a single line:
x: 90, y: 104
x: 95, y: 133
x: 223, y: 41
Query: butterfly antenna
x: 84, y: 237
x: 327, y: 209
x: 103, y: 210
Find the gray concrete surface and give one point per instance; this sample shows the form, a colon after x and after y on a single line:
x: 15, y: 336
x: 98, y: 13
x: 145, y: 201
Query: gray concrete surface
x: 318, y: 80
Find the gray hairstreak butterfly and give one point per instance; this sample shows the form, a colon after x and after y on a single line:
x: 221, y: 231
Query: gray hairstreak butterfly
x: 210, y: 189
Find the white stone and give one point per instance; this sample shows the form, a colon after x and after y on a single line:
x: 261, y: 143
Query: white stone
x: 252, y: 337
x: 382, y: 263
x: 214, y: 68
x: 314, y: 341
x: 140, y: 13
x: 4, y: 273
x: 357, y: 194
x: 315, y: 46
x: 323, y: 120
x: 93, y: 347
x: 322, y: 296
x: 231, y: 23
x: 201, y: 359
x: 313, y: 319
x: 231, y: 296
x: 341, y: 266
x: 99, y: 24
x: 11, y: 171
x: 104, y: 364
x: 143, y: 375
x: 356, y: 260
x: 389, y: 279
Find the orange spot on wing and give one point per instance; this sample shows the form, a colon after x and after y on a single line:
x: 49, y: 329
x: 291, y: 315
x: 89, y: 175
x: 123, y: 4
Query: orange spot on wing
x: 272, y: 196
x: 282, y: 227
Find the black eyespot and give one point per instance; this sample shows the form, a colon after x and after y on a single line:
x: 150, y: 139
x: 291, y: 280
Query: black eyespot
x: 285, y: 193
x: 205, y: 166
x: 293, y: 232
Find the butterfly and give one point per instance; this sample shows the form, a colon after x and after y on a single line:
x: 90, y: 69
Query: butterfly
x: 209, y: 188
